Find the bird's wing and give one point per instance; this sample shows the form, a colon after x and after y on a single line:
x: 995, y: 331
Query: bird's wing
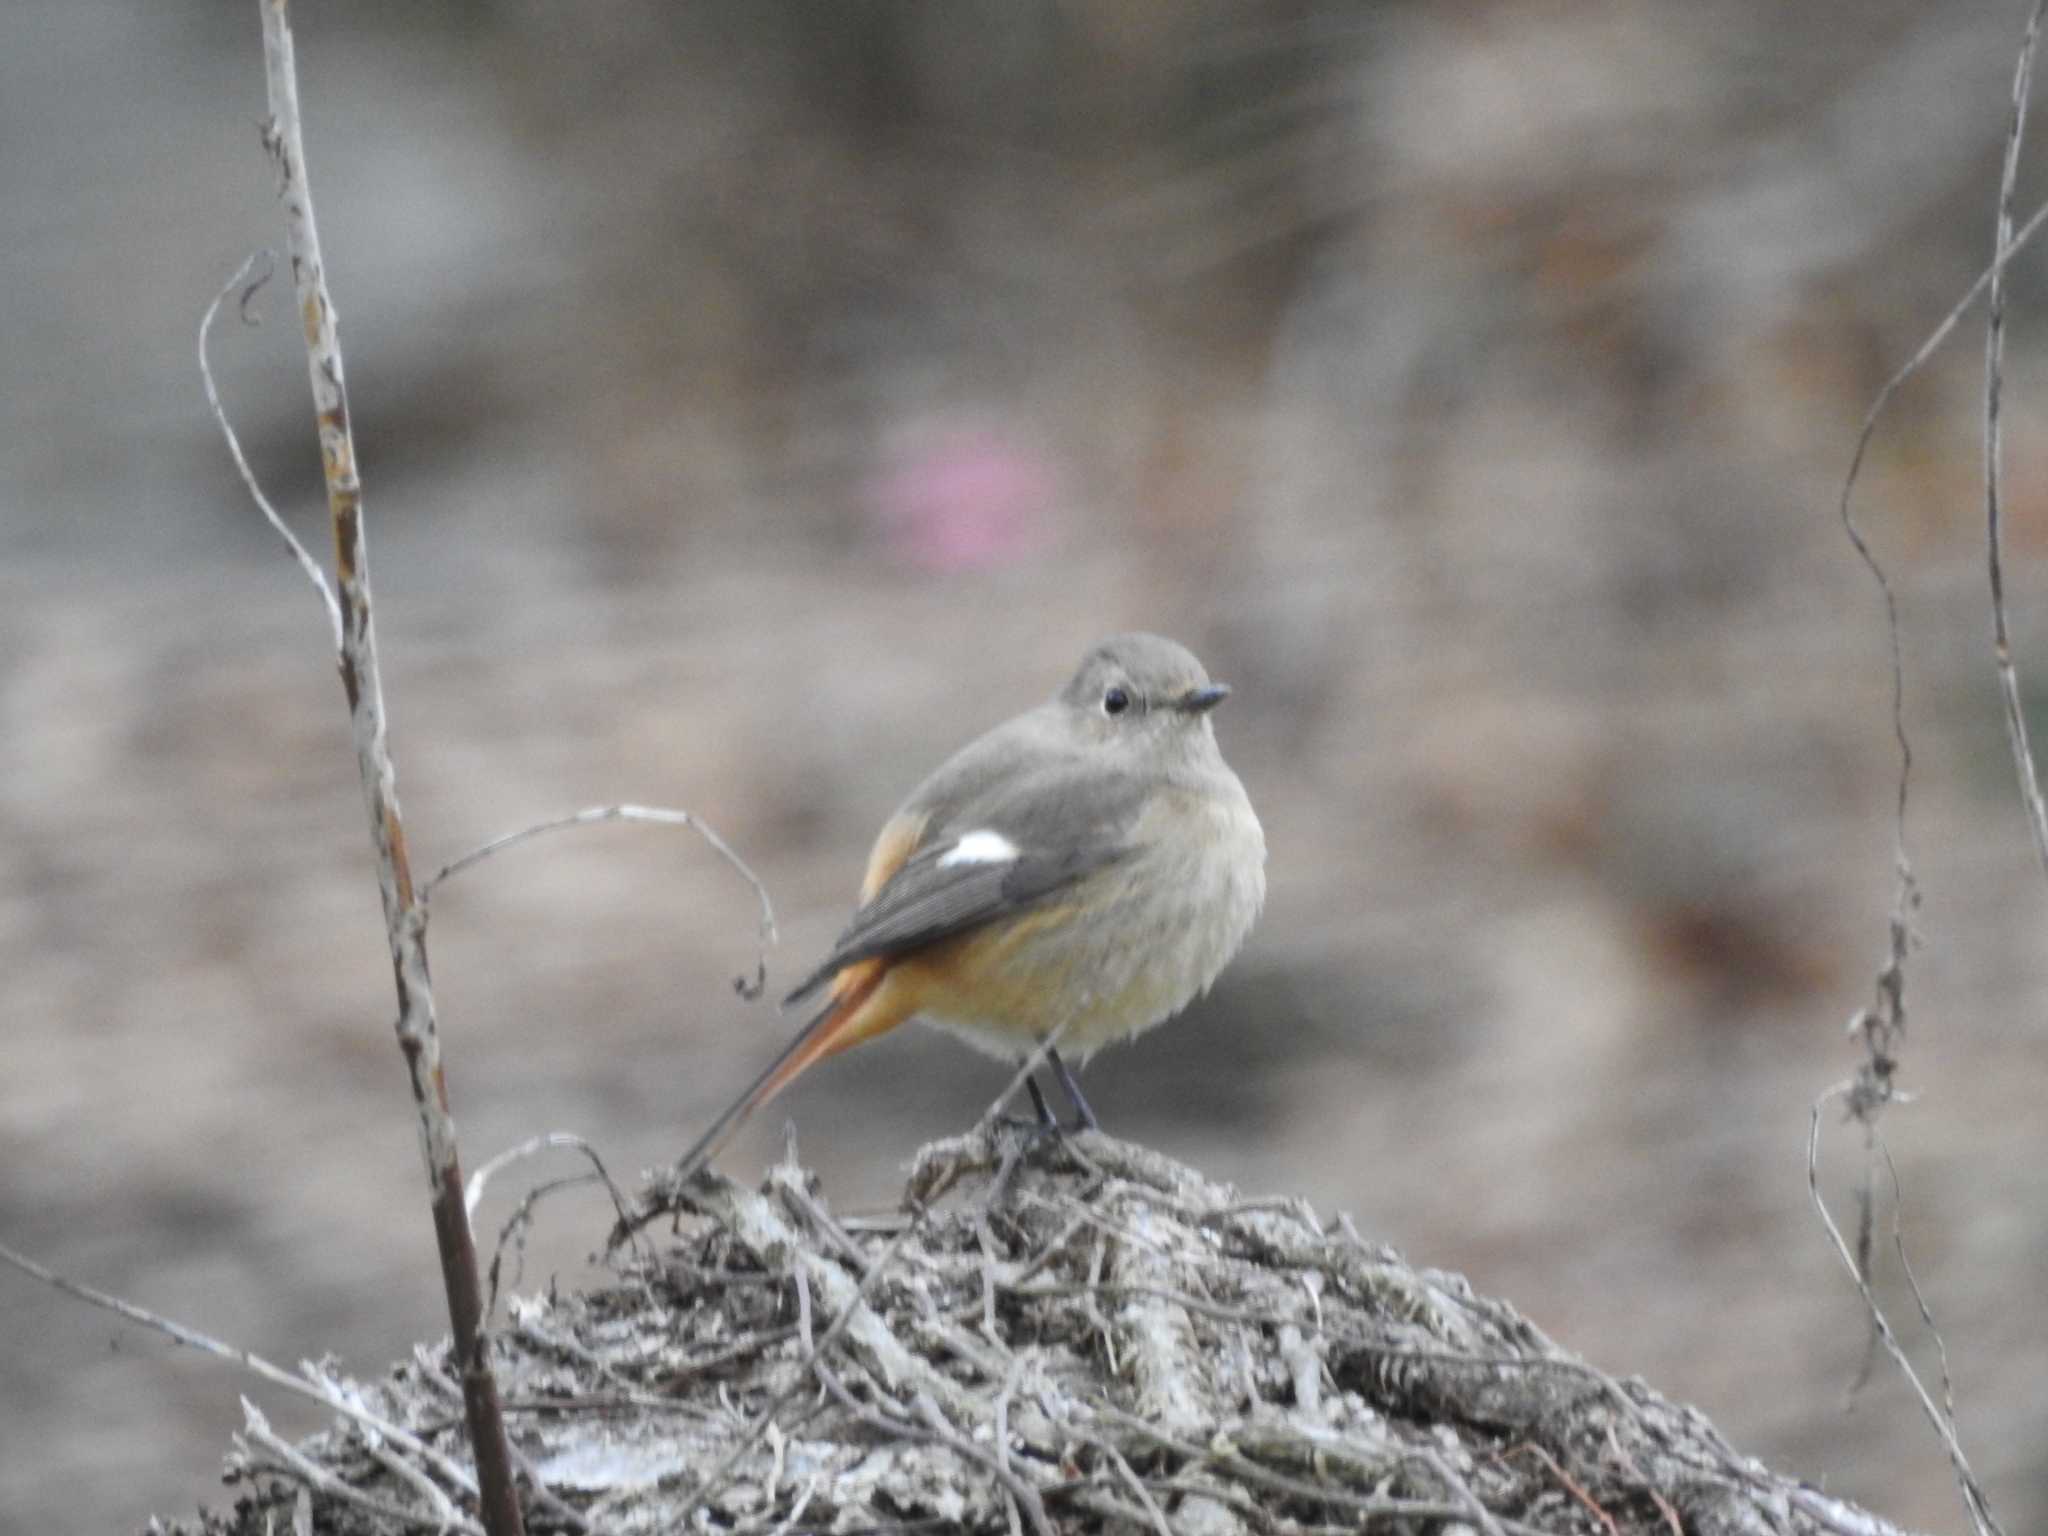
x: 1001, y: 849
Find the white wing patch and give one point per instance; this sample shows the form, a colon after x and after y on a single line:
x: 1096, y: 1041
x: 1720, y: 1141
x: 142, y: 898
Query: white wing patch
x: 983, y: 847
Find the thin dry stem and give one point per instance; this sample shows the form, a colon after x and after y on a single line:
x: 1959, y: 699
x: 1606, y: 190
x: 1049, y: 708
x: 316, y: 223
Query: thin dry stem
x: 1883, y: 1027
x: 1569, y: 1484
x: 418, y: 1033
x: 652, y: 815
x: 1154, y: 1515
x: 1026, y: 1496
x: 1948, y: 1385
x: 1867, y: 434
x: 1973, y: 1493
x: 250, y: 286
x: 1994, y: 346
x: 512, y: 1234
x: 551, y: 1141
x: 516, y: 1225
x: 319, y: 1390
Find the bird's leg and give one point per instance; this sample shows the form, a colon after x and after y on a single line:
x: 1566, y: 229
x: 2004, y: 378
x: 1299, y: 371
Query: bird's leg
x: 1043, y: 1123
x: 1084, y: 1117
x: 1045, y: 1114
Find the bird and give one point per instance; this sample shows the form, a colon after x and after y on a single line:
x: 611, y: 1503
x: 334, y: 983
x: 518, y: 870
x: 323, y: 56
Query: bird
x: 1078, y: 874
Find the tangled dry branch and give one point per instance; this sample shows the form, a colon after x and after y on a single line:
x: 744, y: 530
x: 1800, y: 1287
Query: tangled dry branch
x: 1091, y: 1337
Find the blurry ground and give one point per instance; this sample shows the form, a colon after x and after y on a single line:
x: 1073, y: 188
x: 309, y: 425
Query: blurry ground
x: 757, y: 400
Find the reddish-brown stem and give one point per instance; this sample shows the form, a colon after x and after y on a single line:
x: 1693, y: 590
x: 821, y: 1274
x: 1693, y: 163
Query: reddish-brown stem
x: 405, y: 927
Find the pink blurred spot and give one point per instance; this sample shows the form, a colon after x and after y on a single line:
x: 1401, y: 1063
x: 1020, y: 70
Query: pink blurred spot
x: 964, y: 498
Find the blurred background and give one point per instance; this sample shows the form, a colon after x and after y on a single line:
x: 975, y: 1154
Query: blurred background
x: 758, y: 399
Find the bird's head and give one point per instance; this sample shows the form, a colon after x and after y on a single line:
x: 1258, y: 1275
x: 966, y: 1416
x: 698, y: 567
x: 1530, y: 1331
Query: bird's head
x: 1143, y: 691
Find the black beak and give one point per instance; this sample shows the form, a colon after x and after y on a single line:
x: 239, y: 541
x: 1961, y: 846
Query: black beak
x: 1199, y: 701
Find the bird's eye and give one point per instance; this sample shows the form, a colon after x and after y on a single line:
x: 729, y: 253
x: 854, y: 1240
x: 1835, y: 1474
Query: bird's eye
x: 1115, y: 702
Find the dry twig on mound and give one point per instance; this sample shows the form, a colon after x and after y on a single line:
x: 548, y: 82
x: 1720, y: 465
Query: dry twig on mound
x: 1090, y: 1338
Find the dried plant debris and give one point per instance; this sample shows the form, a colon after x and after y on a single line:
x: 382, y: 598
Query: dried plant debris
x: 1077, y: 1336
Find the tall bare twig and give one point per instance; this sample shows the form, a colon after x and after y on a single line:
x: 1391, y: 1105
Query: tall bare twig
x: 1883, y: 1026
x: 1890, y: 982
x: 1994, y: 348
x: 1844, y: 508
x: 418, y: 1035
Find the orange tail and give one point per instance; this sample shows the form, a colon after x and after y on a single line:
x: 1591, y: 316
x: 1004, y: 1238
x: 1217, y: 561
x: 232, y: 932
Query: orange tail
x: 854, y: 1014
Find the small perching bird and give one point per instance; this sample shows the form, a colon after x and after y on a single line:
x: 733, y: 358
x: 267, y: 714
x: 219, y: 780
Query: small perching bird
x: 1082, y: 871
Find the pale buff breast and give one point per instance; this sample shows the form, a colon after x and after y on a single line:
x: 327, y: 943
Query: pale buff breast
x: 1125, y: 950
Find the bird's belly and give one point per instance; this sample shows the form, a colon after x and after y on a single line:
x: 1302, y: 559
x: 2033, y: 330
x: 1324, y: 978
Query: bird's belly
x: 1125, y: 950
